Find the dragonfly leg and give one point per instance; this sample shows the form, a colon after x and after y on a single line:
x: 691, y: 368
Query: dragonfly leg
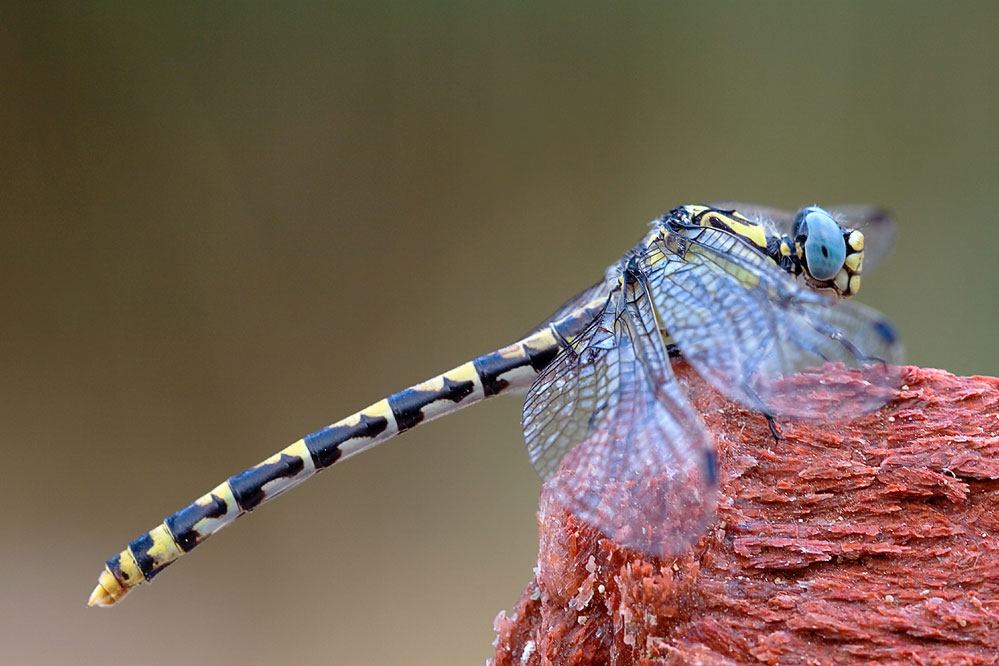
x: 757, y: 403
x: 773, y: 426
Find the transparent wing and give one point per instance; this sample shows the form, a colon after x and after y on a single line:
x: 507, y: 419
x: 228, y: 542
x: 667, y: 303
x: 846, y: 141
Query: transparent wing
x: 876, y: 223
x: 610, y: 429
x: 758, y: 336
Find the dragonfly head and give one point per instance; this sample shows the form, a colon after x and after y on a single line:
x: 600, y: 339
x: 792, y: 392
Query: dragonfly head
x: 830, y: 256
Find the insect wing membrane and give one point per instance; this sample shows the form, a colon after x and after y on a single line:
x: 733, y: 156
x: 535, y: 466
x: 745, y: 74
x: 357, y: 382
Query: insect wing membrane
x: 849, y: 333
x: 607, y: 424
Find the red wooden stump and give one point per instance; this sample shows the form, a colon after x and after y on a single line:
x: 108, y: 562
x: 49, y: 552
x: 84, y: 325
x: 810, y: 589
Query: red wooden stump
x: 872, y: 541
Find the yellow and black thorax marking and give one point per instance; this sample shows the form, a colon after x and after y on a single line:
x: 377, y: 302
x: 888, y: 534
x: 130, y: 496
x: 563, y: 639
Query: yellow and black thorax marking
x: 676, y: 234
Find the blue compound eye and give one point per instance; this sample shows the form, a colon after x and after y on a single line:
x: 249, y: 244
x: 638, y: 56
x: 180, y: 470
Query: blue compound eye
x: 825, y: 249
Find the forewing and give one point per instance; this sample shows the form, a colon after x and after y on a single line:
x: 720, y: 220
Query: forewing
x: 875, y: 222
x: 609, y: 428
x: 758, y: 335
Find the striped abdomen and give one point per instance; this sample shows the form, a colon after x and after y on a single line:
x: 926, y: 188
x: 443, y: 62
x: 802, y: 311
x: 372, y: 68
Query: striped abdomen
x: 510, y: 369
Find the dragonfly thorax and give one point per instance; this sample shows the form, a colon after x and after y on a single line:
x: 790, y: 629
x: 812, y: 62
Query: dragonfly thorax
x: 827, y: 256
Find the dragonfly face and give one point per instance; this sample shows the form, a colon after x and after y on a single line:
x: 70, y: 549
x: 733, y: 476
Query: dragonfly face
x: 831, y: 257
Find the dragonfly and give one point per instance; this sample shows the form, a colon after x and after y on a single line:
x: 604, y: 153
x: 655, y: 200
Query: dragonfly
x: 750, y: 296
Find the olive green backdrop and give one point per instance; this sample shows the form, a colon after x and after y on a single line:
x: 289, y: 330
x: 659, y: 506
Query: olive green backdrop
x: 224, y: 227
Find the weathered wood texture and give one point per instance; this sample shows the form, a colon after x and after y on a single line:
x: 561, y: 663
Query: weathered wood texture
x: 873, y: 541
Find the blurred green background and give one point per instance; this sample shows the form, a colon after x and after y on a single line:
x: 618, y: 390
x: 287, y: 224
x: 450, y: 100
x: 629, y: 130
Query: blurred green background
x: 226, y: 226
